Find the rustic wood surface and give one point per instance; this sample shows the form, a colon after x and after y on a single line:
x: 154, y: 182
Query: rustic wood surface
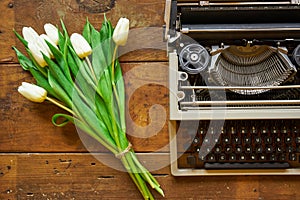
x: 40, y: 161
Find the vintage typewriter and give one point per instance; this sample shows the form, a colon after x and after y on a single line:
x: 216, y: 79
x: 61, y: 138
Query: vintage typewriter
x: 234, y: 86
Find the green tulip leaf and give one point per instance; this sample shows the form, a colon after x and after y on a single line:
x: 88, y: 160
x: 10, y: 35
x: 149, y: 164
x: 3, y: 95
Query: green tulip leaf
x: 24, y: 42
x: 89, y: 117
x: 66, y: 119
x: 74, y: 61
x: 61, y: 61
x: 105, y: 87
x: 59, y: 91
x: 104, y: 113
x: 25, y: 62
x: 57, y: 73
x: 87, y: 31
x: 95, y: 37
x: 121, y: 92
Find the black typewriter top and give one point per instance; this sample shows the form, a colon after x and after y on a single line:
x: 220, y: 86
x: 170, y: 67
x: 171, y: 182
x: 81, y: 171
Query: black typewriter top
x: 229, y: 20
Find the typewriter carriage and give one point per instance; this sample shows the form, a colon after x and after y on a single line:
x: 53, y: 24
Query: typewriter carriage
x: 244, y: 48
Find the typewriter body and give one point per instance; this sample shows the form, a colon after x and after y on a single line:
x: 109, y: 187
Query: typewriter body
x: 234, y: 86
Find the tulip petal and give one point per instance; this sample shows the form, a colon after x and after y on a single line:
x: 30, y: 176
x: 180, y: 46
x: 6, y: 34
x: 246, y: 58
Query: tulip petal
x: 80, y: 45
x: 37, y: 53
x: 46, y: 37
x: 52, y: 32
x: 33, y: 92
x: 121, y: 31
x: 29, y: 34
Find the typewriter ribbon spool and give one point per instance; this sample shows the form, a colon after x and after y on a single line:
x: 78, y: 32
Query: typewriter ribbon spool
x: 194, y: 58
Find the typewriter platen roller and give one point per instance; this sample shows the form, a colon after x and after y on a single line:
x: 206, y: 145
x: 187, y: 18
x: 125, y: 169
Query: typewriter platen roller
x: 232, y: 61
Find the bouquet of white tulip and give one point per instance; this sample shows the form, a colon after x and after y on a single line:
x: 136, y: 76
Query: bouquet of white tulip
x: 92, y: 91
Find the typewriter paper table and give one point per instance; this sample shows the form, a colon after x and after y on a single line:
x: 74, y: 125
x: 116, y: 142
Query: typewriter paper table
x: 40, y: 161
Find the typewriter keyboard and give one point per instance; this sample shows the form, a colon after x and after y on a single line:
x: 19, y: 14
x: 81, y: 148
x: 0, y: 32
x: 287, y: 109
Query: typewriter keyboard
x: 239, y: 144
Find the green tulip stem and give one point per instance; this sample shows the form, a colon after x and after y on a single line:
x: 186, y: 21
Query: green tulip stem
x: 60, y: 105
x: 129, y: 160
x: 113, y: 64
x: 91, y: 68
x: 113, y: 77
x: 115, y: 92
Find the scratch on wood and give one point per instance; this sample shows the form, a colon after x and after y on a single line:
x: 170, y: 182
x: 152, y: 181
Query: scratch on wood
x: 105, y: 176
x: 8, y: 59
x: 30, y: 194
x: 69, y: 162
x: 65, y: 161
x: 160, y: 175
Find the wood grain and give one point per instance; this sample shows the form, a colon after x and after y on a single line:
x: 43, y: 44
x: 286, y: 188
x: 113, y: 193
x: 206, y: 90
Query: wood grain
x: 34, y: 13
x: 81, y: 176
x: 7, y: 40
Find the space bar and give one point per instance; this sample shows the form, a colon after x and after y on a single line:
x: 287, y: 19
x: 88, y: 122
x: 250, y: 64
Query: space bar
x: 266, y: 165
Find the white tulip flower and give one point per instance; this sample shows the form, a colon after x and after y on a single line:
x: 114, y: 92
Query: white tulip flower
x: 29, y: 34
x: 36, y: 45
x: 32, y: 92
x: 121, y: 32
x: 80, y: 45
x: 37, y: 54
x: 52, y: 32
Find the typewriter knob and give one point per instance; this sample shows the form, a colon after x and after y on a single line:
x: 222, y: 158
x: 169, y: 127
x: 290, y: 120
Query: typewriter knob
x: 296, y: 55
x: 194, y: 58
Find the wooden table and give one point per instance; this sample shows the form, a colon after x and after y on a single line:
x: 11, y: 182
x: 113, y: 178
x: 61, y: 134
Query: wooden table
x: 41, y: 161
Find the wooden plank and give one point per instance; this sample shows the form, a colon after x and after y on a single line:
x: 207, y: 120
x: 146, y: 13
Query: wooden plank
x: 15, y: 15
x: 8, y: 176
x: 7, y: 16
x: 81, y: 176
x: 27, y: 127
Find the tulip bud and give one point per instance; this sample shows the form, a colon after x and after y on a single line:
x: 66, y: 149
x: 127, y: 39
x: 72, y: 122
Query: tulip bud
x: 33, y: 92
x: 29, y: 34
x: 121, y: 31
x: 52, y: 32
x: 80, y: 45
x: 37, y: 54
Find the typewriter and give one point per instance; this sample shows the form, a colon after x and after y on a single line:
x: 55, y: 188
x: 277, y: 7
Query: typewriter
x: 234, y: 86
